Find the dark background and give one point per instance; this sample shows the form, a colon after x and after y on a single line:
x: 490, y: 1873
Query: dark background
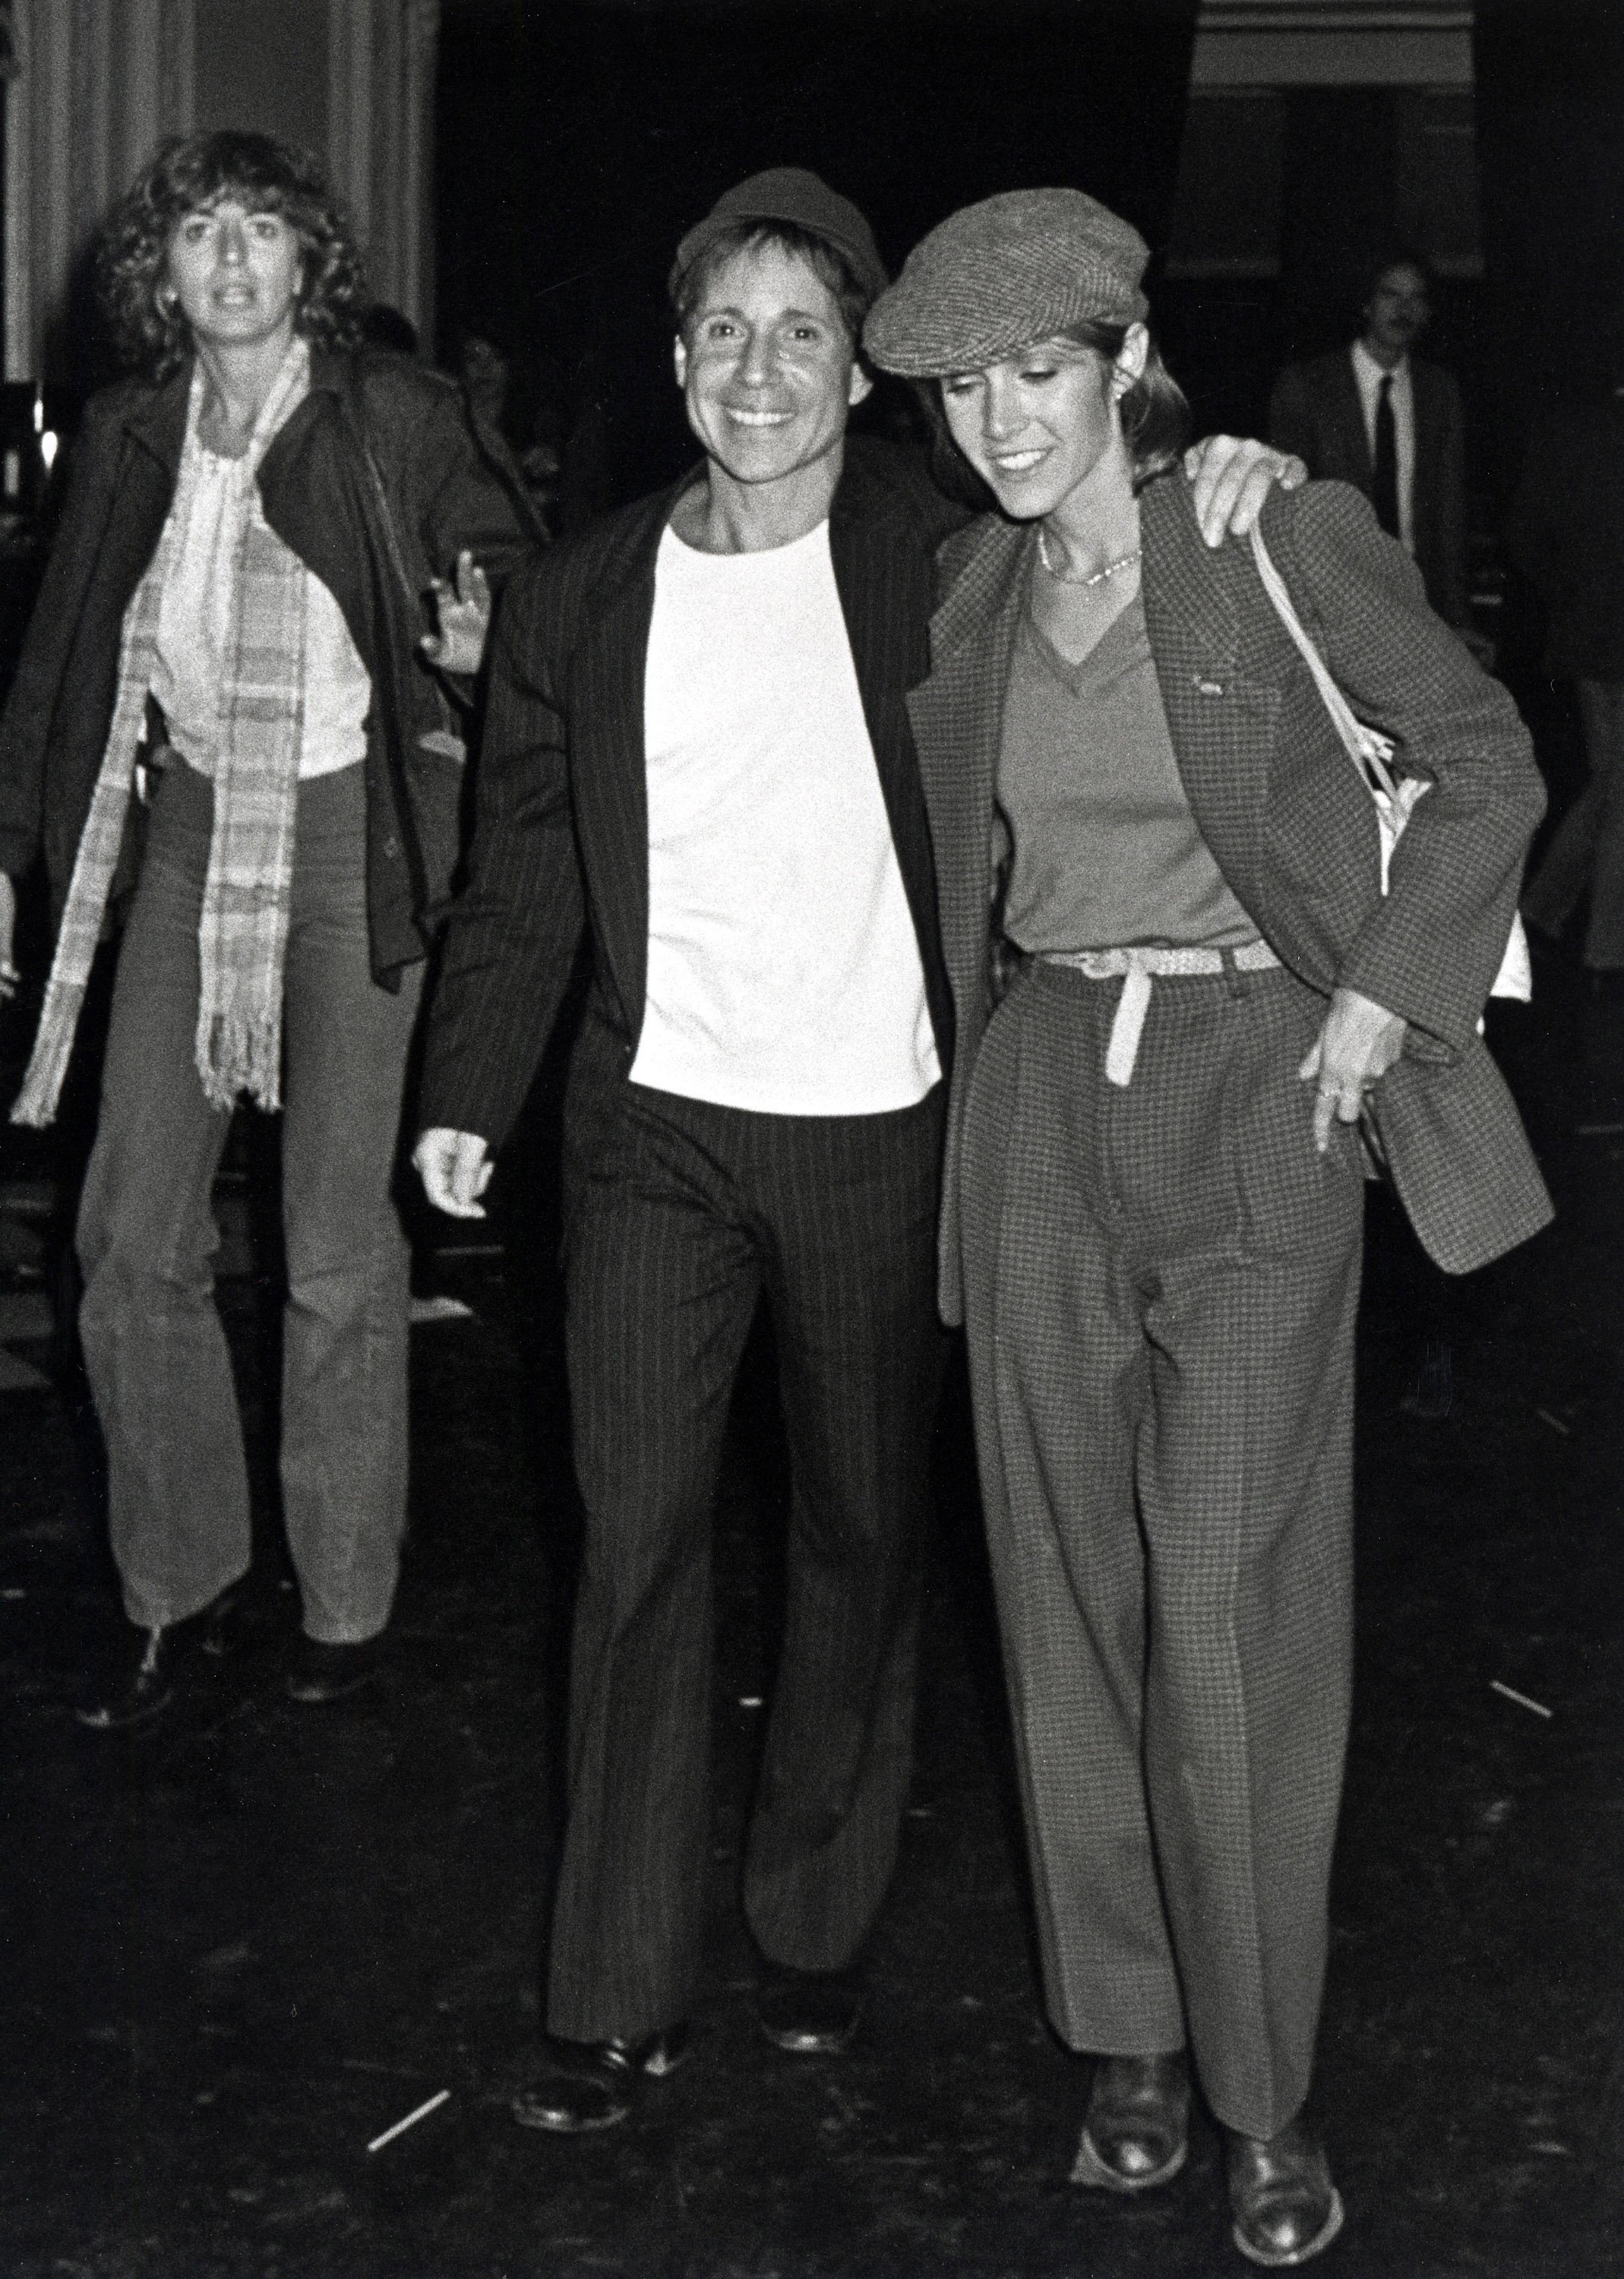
x: 577, y: 144
x: 578, y: 138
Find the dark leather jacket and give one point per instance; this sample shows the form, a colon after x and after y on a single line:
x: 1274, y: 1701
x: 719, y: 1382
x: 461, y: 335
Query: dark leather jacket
x: 375, y: 427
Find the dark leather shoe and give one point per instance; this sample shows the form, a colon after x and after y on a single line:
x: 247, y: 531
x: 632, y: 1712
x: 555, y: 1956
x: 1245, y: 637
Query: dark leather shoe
x: 1285, y: 2207
x: 137, y: 1684
x: 582, y: 2085
x: 138, y: 1681
x: 319, y: 1672
x: 813, y: 2014
x: 1135, y: 2130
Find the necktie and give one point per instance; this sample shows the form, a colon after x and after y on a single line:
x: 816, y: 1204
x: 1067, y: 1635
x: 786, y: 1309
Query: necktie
x: 1384, y: 472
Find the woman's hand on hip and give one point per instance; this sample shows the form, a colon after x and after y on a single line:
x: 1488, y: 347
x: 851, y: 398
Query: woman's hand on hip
x: 455, y: 1168
x: 9, y: 975
x: 1232, y: 477
x: 1358, y: 1043
x: 463, y: 612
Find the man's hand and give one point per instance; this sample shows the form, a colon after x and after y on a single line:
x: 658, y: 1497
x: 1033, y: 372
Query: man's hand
x: 1233, y: 475
x: 463, y: 612
x: 9, y: 975
x: 1357, y: 1044
x: 456, y: 1169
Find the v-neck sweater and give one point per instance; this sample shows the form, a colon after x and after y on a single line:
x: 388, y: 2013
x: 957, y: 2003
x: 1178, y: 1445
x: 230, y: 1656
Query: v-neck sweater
x: 1106, y: 850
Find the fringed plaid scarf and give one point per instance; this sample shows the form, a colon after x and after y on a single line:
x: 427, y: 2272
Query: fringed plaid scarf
x: 242, y: 932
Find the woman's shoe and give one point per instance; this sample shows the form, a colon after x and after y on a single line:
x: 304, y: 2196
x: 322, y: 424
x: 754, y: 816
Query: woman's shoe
x: 1285, y: 2207
x: 1136, y: 2133
x: 136, y: 1686
x: 137, y: 1682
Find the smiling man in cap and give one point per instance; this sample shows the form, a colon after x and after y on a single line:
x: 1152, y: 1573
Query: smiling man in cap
x: 697, y: 748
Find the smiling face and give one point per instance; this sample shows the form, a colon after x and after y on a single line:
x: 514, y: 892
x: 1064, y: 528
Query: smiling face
x: 769, y: 371
x: 1038, y: 425
x: 235, y: 272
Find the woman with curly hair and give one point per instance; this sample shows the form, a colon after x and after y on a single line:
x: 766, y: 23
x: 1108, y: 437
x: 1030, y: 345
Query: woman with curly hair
x: 233, y: 649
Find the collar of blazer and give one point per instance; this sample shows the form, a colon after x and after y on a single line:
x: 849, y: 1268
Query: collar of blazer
x: 859, y: 501
x: 1213, y: 660
x: 157, y: 416
x: 1188, y: 592
x: 984, y: 567
x: 604, y: 657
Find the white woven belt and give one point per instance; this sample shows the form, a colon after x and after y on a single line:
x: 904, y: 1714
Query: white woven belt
x: 1138, y: 968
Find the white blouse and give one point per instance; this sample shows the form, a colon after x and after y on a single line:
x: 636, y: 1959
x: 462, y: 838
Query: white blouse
x: 217, y: 496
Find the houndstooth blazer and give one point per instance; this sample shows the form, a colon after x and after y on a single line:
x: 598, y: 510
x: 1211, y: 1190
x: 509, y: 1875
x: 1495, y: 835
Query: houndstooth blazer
x: 1286, y: 817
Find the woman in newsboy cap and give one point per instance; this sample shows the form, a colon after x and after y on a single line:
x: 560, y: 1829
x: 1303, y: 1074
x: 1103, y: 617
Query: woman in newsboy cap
x: 1177, y: 986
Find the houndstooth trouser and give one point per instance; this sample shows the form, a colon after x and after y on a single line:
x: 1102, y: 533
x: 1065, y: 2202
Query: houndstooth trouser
x: 1161, y: 1282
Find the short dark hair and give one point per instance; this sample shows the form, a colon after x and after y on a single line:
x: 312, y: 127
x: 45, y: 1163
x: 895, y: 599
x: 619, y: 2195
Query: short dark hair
x: 189, y: 175
x: 1394, y: 257
x: 853, y: 298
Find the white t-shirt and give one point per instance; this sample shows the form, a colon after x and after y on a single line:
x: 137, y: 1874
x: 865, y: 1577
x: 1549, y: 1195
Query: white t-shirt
x: 784, y: 971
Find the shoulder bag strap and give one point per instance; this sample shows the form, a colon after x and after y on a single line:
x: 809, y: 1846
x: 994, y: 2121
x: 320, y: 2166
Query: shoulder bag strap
x: 1369, y: 751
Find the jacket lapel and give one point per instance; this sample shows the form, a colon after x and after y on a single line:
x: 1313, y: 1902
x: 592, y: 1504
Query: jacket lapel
x: 882, y: 623
x: 1351, y: 418
x: 158, y: 422
x: 884, y: 574
x: 1219, y: 689
x: 956, y: 715
x: 608, y: 763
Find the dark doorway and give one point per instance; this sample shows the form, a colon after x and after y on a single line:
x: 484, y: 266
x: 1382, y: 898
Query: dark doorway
x: 578, y: 139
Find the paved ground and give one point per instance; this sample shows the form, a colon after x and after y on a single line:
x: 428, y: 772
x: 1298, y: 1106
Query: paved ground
x: 241, y: 1947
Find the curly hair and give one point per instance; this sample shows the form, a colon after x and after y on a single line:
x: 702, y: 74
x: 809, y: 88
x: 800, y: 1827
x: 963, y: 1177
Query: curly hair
x: 190, y: 174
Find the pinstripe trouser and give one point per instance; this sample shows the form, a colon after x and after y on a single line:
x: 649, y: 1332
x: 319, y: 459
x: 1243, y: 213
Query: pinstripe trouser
x: 678, y: 1216
x: 1161, y: 1287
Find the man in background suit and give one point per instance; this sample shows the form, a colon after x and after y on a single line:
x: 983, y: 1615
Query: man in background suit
x: 1374, y: 416
x: 697, y: 747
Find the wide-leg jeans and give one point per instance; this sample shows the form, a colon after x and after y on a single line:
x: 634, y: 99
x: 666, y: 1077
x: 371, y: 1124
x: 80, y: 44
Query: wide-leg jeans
x: 154, y: 1346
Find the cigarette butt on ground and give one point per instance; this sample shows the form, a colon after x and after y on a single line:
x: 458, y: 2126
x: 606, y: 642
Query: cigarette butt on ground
x: 1555, y: 1423
x: 1523, y: 1700
x: 418, y: 2113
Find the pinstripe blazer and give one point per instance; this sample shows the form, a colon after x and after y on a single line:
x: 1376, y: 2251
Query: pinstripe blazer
x: 1316, y: 412
x: 561, y: 836
x: 1284, y: 813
